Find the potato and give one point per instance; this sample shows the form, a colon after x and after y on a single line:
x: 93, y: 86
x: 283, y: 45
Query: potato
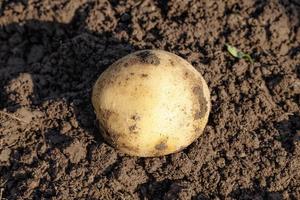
x: 151, y: 103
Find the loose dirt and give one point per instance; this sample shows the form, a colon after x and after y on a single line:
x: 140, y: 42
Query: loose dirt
x: 51, y: 53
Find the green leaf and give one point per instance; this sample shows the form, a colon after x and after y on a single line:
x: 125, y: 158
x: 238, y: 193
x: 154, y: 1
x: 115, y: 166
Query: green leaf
x: 233, y: 51
x: 237, y: 53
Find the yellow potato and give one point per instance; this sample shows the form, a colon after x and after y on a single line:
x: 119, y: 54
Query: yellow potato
x: 151, y: 103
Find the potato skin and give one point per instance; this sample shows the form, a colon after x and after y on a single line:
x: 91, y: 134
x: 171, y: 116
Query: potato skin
x: 151, y: 103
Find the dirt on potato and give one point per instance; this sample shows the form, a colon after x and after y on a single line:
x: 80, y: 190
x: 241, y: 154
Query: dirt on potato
x: 51, y: 53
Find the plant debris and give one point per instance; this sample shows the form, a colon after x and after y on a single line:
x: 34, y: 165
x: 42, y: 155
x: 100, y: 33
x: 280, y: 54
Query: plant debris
x: 238, y: 54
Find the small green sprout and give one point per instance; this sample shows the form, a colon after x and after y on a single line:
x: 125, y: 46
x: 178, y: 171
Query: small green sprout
x: 237, y: 53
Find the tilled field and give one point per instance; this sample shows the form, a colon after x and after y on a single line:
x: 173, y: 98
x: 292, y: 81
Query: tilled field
x: 51, y: 53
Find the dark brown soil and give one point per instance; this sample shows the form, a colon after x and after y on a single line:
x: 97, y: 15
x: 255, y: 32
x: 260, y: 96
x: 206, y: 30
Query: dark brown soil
x: 51, y: 52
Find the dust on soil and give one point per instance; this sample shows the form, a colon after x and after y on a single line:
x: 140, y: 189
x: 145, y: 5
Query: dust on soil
x: 51, y: 52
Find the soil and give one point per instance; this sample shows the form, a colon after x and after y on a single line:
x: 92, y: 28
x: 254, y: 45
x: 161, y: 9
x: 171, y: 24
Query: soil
x: 51, y: 53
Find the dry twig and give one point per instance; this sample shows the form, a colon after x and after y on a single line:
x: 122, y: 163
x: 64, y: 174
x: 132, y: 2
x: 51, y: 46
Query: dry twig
x: 13, y: 117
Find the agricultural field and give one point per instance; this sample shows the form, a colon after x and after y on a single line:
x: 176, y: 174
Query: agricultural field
x: 53, y: 51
